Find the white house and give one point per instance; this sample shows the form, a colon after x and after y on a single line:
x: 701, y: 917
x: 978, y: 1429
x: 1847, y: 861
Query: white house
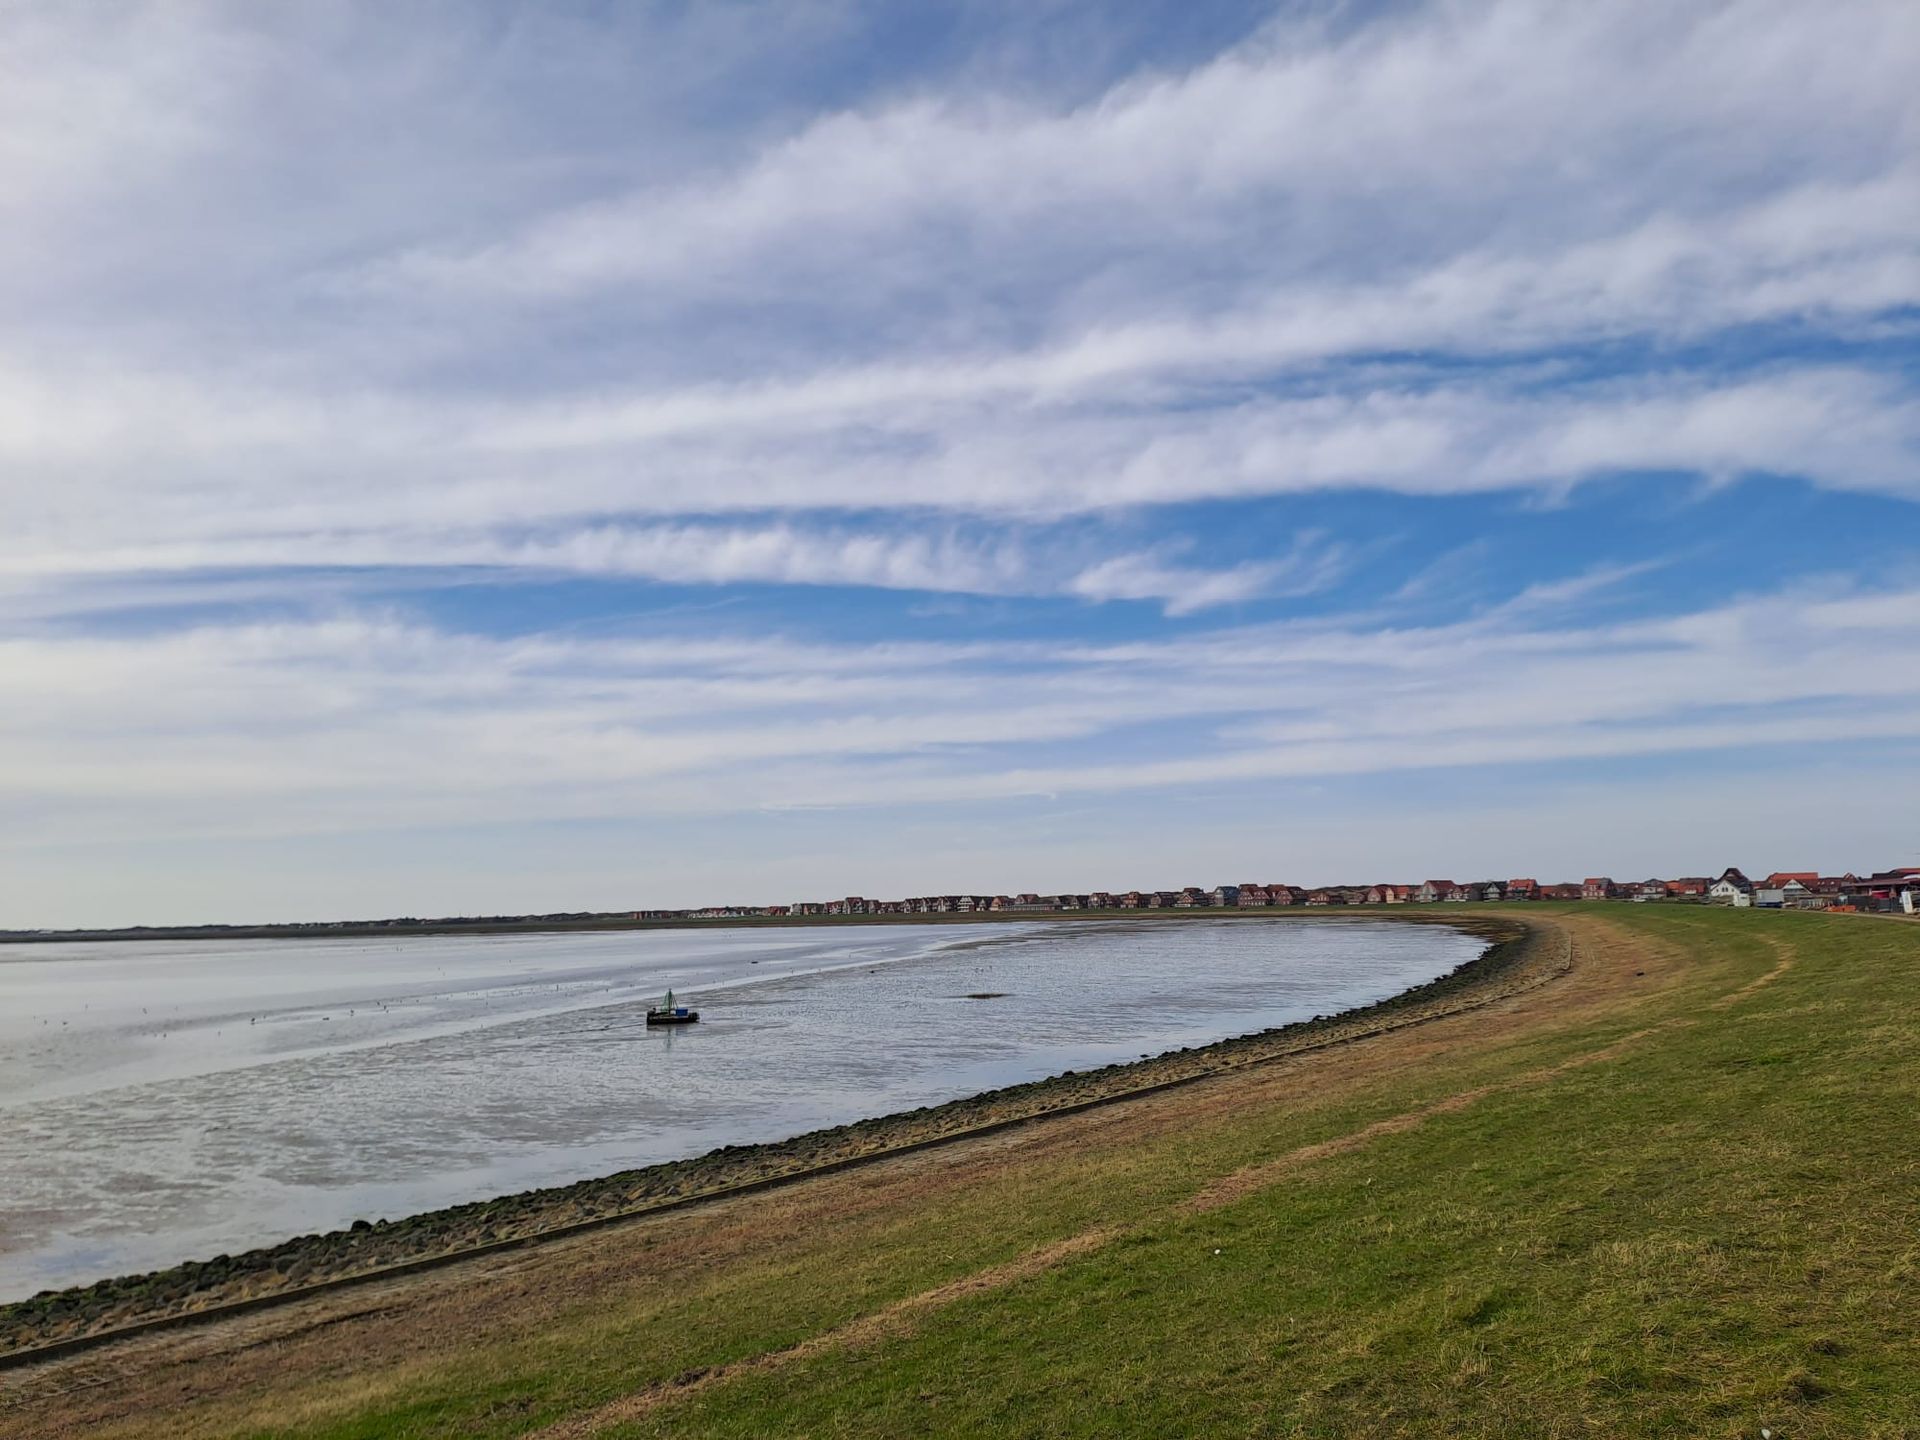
x: 1732, y: 888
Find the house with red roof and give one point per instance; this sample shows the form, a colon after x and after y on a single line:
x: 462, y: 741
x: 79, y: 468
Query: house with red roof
x: 1775, y: 893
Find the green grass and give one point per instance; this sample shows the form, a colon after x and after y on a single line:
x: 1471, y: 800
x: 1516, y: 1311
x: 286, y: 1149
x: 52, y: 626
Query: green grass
x: 1715, y: 1229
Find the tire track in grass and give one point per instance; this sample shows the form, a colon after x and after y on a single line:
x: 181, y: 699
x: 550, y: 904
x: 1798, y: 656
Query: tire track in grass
x: 1786, y: 953
x: 897, y: 1319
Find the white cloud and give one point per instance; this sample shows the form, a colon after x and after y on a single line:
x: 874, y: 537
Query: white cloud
x: 1449, y: 109
x: 1141, y: 577
x: 957, y: 301
x: 40, y: 584
x: 311, y: 500
x: 1309, y: 565
x: 366, y: 724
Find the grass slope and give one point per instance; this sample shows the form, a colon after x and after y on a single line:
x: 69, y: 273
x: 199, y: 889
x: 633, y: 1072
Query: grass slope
x: 1676, y: 1194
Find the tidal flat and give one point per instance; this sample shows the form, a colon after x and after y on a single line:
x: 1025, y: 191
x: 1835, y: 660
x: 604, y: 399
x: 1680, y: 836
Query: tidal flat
x: 180, y: 1100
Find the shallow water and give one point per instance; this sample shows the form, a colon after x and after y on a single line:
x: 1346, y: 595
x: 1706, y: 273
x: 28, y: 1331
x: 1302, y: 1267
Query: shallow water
x: 170, y: 1100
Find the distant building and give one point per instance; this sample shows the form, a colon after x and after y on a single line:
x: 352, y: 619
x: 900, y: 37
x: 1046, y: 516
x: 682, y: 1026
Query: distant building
x: 1778, y: 894
x: 1597, y: 887
x: 1732, y: 888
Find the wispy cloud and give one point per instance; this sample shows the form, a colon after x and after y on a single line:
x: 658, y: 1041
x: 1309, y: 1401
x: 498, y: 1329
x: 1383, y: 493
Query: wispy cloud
x: 1000, y: 561
x: 362, y: 721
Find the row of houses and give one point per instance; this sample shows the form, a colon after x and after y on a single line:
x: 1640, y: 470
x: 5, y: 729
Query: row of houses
x: 1896, y: 889
x: 1881, y: 890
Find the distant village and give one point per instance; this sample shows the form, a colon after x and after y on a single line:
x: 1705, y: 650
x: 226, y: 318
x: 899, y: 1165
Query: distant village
x: 1893, y: 891
x: 1889, y: 890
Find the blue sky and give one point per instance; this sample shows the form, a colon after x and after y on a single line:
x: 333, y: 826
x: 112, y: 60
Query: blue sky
x: 462, y: 458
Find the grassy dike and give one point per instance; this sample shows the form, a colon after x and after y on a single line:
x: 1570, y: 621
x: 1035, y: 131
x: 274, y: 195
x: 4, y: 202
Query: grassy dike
x: 1676, y: 1192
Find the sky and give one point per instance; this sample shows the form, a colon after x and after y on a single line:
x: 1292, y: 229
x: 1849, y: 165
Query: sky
x: 467, y: 458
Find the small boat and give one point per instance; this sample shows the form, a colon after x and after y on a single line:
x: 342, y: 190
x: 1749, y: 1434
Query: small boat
x: 670, y: 1013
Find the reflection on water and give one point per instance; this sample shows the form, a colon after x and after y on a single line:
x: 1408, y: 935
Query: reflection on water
x: 169, y: 1100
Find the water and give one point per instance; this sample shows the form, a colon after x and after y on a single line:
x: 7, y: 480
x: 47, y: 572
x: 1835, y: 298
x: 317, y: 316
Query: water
x: 172, y: 1100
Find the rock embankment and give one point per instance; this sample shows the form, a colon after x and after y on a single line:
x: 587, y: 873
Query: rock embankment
x: 1518, y: 957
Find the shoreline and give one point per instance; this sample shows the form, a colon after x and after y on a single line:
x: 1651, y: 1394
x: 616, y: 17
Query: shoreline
x: 615, y: 924
x: 52, y: 1323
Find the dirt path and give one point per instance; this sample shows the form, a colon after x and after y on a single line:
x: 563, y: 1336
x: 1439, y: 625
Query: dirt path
x: 413, y: 1322
x: 899, y: 1318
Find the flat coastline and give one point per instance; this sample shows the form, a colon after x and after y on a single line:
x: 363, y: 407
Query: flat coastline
x: 1518, y: 956
x: 564, y: 924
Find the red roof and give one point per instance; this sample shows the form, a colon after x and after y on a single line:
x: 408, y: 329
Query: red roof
x: 1781, y: 877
